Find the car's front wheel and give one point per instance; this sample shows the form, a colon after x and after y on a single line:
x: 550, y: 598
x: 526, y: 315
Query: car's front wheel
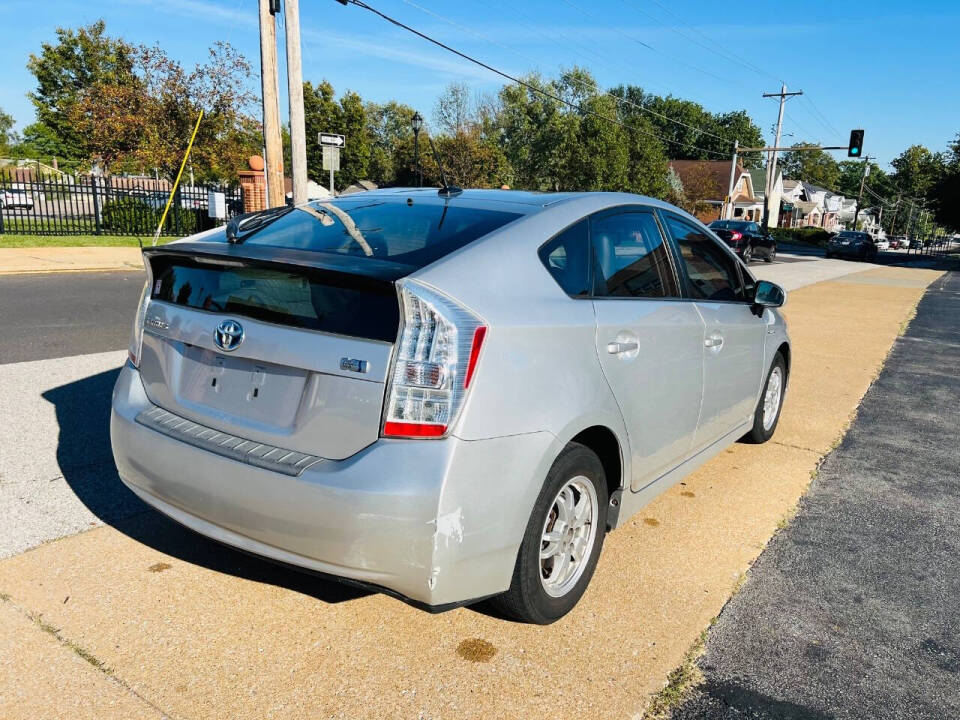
x: 562, y: 542
x: 771, y: 255
x: 767, y: 414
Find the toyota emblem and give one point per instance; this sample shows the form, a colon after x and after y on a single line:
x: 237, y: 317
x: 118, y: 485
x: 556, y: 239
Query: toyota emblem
x: 228, y: 335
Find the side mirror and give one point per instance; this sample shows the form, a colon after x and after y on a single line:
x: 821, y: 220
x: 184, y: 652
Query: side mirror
x: 769, y: 294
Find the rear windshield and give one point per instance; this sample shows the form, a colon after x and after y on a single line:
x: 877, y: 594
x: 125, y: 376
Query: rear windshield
x: 413, y: 232
x: 305, y: 298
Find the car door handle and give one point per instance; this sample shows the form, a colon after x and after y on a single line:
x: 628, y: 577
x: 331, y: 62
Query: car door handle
x: 615, y: 348
x: 714, y: 341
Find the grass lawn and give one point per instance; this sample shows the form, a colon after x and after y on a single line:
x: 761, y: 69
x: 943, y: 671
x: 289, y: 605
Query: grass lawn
x: 23, y: 241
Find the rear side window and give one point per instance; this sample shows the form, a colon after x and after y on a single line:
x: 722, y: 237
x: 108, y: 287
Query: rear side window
x: 414, y: 233
x: 711, y: 273
x: 567, y: 259
x: 630, y: 257
x: 305, y: 298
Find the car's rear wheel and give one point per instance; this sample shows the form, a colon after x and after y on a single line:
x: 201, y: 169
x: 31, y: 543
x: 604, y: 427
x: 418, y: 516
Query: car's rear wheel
x: 767, y: 414
x: 747, y: 254
x: 562, y: 542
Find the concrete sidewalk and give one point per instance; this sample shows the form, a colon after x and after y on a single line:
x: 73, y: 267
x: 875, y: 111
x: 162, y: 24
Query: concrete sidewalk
x: 75, y: 259
x: 156, y: 620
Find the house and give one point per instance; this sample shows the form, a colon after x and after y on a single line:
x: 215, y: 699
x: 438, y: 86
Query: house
x: 705, y: 186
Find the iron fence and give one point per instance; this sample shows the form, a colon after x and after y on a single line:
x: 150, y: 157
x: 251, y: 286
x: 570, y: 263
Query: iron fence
x: 108, y: 206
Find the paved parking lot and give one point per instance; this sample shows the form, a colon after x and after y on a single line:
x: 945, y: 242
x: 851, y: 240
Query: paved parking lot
x: 128, y: 615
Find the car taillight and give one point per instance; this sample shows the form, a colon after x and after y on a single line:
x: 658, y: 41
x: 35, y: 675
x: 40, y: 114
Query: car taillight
x: 434, y: 363
x: 735, y: 235
x: 136, y: 339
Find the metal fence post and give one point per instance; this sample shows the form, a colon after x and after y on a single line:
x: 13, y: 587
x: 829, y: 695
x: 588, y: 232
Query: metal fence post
x: 98, y: 229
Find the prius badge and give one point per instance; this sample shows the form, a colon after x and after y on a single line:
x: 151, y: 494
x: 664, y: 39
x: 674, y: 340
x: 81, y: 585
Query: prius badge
x: 228, y: 335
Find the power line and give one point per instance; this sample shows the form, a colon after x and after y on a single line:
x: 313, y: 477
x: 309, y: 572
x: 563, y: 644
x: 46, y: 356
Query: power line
x: 518, y: 81
x: 582, y: 83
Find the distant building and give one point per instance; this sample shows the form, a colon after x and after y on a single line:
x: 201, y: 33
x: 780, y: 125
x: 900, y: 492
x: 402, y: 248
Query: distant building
x: 705, y: 185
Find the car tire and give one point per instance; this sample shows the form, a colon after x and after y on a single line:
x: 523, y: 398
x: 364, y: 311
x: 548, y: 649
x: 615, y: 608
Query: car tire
x: 771, y: 255
x: 747, y: 254
x: 764, y: 424
x: 532, y: 597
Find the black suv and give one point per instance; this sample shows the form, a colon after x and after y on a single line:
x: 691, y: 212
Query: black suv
x: 852, y: 244
x: 746, y: 239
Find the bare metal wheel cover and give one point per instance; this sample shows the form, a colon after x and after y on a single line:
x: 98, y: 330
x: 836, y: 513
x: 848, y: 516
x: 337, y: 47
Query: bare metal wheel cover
x: 772, y: 396
x: 569, y: 533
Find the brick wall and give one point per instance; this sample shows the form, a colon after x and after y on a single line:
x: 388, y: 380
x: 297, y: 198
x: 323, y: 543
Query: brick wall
x: 254, y: 187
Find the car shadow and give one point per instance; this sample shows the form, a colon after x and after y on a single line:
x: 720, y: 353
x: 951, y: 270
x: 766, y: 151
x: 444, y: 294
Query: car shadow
x: 86, y: 462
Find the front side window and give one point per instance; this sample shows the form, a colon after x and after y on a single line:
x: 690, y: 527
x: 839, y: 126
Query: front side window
x: 567, y: 259
x: 630, y: 258
x: 711, y: 272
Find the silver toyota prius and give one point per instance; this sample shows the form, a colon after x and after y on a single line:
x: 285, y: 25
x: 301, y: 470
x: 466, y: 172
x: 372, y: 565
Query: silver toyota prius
x: 447, y: 396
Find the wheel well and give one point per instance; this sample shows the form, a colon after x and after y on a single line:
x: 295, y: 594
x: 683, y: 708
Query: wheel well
x: 604, y: 443
x: 784, y: 350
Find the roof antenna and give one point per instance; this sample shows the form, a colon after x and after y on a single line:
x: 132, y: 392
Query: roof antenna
x: 447, y: 190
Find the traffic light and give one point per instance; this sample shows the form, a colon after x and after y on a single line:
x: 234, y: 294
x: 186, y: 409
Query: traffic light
x: 856, y: 144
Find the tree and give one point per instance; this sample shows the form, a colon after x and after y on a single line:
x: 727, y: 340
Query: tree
x: 346, y: 117
x: 7, y: 137
x: 816, y: 167
x: 917, y: 170
x: 391, y: 143
x: 80, y: 60
x: 147, y: 121
x: 946, y: 190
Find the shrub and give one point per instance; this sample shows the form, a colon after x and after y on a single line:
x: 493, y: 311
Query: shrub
x: 129, y: 216
x: 802, y: 235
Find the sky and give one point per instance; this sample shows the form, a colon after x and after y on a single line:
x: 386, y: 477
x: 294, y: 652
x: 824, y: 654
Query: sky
x: 886, y: 66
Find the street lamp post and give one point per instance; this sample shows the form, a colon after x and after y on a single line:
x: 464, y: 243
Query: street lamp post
x: 417, y: 122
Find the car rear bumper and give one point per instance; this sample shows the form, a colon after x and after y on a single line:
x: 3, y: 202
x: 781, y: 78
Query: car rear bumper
x: 436, y: 521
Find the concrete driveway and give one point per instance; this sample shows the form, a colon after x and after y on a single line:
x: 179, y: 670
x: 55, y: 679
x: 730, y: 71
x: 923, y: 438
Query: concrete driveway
x: 136, y: 617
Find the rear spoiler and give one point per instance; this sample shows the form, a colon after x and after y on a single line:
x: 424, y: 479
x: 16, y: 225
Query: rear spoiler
x: 274, y: 256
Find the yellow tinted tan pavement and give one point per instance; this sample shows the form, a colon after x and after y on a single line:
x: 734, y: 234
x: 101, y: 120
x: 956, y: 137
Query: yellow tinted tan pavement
x: 204, y: 644
x: 56, y: 259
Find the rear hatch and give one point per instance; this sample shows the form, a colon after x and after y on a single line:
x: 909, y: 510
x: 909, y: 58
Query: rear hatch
x: 313, y: 293
x: 309, y: 370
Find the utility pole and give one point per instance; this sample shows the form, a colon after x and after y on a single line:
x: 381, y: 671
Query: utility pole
x: 298, y: 133
x: 893, y: 221
x: 863, y: 179
x: 272, y: 141
x: 772, y: 162
x: 728, y: 213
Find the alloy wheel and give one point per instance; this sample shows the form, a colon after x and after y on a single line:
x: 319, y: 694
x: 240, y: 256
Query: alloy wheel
x: 569, y: 533
x: 771, y: 397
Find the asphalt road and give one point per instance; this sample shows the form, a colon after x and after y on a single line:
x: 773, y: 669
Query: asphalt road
x: 852, y: 611
x: 54, y: 315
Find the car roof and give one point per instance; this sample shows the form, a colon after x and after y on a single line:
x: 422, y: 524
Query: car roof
x: 522, y: 201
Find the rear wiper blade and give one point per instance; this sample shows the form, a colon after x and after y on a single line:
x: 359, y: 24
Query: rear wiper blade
x: 243, y: 226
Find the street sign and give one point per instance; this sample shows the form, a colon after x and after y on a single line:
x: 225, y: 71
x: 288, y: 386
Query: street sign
x: 331, y: 158
x: 331, y: 140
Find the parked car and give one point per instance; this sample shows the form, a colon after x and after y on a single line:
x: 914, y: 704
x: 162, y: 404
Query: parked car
x: 852, y: 244
x: 746, y: 238
x: 14, y: 198
x: 447, y: 396
x: 882, y: 244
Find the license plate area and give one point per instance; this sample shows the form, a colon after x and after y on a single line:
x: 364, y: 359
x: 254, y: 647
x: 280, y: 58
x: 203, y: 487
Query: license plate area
x: 243, y: 389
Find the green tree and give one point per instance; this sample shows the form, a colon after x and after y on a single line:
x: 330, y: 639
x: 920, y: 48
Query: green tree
x: 347, y: 117
x: 78, y: 61
x: 946, y: 191
x: 391, y: 143
x: 917, y: 170
x: 7, y: 137
x: 816, y: 167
